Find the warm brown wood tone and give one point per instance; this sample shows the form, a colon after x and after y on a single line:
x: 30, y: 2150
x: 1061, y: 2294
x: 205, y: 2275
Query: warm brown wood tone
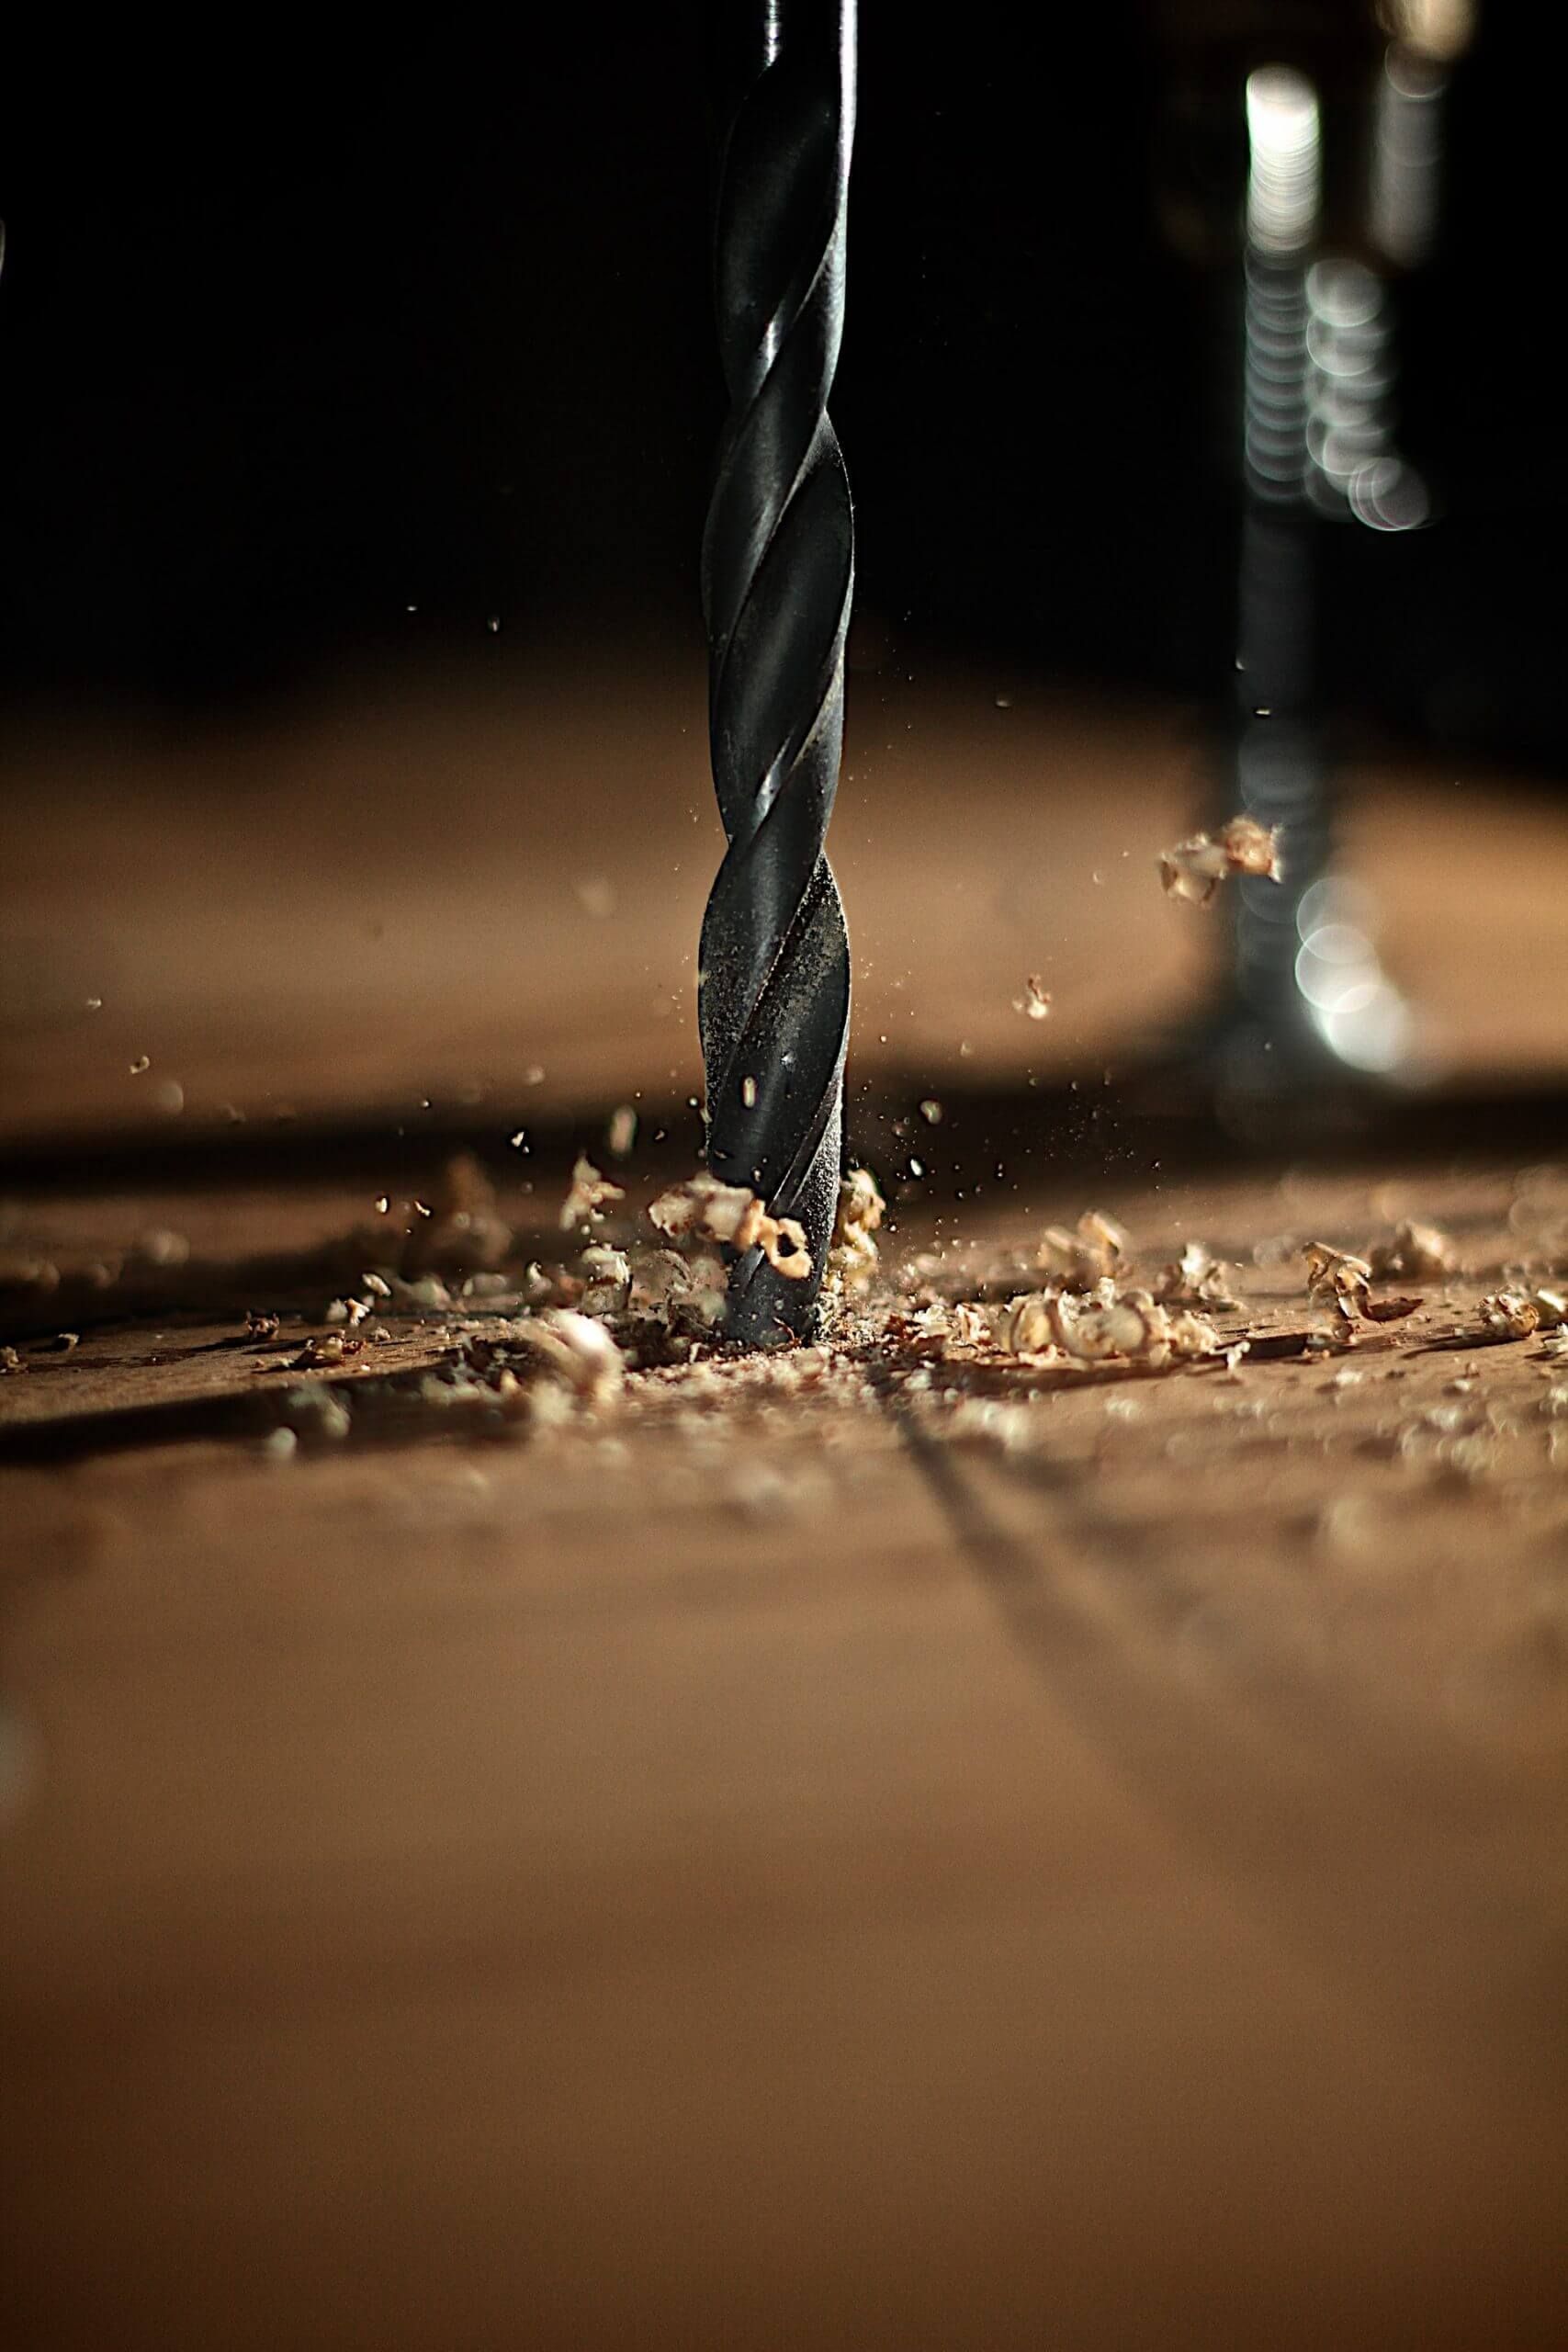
x: 811, y: 1871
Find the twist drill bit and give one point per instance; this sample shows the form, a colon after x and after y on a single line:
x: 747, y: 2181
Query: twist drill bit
x: 778, y: 566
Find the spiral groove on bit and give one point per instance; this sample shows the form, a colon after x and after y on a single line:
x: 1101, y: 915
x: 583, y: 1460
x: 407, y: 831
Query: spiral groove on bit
x: 778, y: 566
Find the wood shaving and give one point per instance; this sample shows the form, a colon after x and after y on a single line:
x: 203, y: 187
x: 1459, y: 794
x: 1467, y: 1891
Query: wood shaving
x: 729, y: 1212
x: 621, y: 1133
x: 585, y: 1202
x: 970, y: 1324
x: 1387, y: 1310
x: 681, y: 1292
x: 1509, y: 1315
x: 1087, y: 1255
x: 1414, y: 1252
x: 606, y: 1281
x: 10, y: 1361
x: 1036, y: 1000
x: 351, y: 1311
x: 1338, y: 1276
x: 1193, y: 870
x: 1196, y: 1278
x: 260, y: 1326
x: 852, y: 1256
x: 1107, y: 1324
x: 322, y: 1350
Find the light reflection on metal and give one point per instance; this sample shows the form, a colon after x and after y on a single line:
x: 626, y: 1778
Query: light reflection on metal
x: 1350, y: 407
x: 1353, y: 1005
x: 1285, y: 171
x: 1406, y: 153
x: 1279, y: 765
x: 1435, y: 29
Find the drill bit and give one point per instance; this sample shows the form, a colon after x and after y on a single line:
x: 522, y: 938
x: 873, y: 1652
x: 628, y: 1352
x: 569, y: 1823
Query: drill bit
x: 778, y: 567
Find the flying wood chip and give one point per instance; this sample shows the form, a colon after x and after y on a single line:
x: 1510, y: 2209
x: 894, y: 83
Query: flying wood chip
x: 1194, y: 869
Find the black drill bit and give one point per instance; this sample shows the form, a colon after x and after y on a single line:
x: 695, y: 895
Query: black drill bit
x: 778, y: 568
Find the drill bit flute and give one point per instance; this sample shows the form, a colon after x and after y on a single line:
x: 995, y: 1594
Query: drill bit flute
x: 778, y: 560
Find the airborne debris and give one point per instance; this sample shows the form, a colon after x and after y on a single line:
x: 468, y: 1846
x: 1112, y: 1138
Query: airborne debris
x: 730, y: 1213
x: 621, y: 1133
x: 589, y: 1192
x: 350, y: 1311
x: 851, y: 1259
x: 1036, y: 1000
x: 1194, y: 869
x: 1087, y: 1255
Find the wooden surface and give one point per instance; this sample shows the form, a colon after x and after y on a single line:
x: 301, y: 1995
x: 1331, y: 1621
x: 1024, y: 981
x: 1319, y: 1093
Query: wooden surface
x: 285, y: 921
x: 923, y: 1852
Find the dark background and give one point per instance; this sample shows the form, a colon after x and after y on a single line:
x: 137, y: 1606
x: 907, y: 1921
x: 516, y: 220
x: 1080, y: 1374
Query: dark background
x: 292, y: 339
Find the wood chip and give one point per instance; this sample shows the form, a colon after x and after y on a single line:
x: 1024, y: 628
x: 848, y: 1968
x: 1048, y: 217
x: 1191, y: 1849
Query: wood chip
x: 585, y: 1202
x: 729, y: 1212
x: 1193, y: 870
